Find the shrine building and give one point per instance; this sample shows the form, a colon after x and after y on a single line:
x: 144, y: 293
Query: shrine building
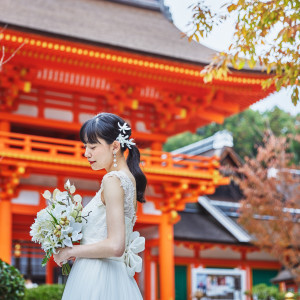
x: 66, y: 61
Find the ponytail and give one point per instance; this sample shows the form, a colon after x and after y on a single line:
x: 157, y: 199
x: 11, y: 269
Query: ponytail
x: 133, y: 162
x: 110, y: 128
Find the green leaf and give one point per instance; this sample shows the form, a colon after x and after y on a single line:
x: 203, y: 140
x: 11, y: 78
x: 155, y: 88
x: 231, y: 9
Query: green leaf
x: 208, y: 77
x: 47, y: 257
x: 251, y: 62
x: 295, y: 95
x: 241, y: 64
x: 278, y: 84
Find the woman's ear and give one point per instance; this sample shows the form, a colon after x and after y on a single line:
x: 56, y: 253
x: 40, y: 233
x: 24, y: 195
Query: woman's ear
x: 116, y: 146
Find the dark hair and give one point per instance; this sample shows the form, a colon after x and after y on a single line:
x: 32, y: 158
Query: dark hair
x: 105, y: 126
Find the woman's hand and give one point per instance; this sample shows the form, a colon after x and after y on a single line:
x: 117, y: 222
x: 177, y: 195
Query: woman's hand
x: 62, y: 255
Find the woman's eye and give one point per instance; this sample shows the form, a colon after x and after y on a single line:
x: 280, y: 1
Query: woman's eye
x: 93, y: 148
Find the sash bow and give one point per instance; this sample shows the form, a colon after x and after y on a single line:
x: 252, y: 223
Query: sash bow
x: 132, y: 261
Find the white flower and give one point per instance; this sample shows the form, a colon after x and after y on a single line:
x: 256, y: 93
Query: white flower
x: 67, y: 185
x: 42, y: 226
x: 47, y: 195
x: 60, y: 223
x: 51, y: 242
x: 62, y: 197
x: 68, y: 212
x: 58, y: 211
x: 124, y: 127
x: 37, y: 232
x: 77, y: 198
x: 124, y: 140
x: 54, y: 194
x: 42, y: 214
x: 44, y: 217
x: 72, y: 234
x: 72, y: 189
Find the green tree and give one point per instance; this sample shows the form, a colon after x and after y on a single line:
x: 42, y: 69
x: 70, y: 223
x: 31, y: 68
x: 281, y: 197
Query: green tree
x: 247, y: 128
x: 262, y: 292
x: 12, y: 283
x: 266, y: 33
x: 181, y: 140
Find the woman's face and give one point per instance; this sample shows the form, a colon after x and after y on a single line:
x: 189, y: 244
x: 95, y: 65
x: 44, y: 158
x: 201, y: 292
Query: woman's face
x: 99, y: 155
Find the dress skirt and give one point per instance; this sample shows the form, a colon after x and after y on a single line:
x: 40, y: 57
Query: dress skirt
x: 100, y: 279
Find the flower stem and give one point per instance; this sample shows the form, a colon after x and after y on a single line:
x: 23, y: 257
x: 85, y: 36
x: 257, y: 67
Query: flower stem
x: 66, y: 269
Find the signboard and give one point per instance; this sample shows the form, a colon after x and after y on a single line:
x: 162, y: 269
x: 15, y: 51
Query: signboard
x: 225, y: 284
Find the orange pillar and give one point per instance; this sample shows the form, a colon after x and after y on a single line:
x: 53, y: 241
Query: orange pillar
x: 49, y: 271
x: 5, y: 230
x: 166, y: 258
x: 244, y: 266
x: 282, y: 286
x: 5, y: 217
x: 147, y: 279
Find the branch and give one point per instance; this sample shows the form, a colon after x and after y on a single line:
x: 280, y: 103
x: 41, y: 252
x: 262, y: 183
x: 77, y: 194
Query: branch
x: 2, y: 59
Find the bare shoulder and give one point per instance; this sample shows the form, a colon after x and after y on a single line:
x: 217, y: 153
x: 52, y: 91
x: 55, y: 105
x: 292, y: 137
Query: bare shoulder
x: 111, y: 182
x: 113, y: 193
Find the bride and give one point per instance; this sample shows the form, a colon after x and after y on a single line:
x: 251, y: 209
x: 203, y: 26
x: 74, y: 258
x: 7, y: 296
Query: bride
x: 107, y: 259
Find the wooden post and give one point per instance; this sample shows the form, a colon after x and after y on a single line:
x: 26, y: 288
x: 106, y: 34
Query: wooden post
x: 282, y: 286
x: 166, y: 258
x: 49, y: 271
x: 5, y: 230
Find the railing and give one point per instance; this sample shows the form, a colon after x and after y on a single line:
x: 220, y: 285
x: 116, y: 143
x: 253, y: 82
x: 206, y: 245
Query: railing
x: 60, y: 151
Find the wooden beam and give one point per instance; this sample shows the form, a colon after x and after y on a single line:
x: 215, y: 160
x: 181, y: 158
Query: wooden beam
x: 210, y: 115
x: 70, y: 126
x: 148, y: 219
x: 221, y: 262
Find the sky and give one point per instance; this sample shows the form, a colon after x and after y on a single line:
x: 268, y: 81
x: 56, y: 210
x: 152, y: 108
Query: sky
x: 220, y: 39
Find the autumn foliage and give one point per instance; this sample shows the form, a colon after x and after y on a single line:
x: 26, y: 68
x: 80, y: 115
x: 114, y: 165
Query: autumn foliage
x: 270, y: 210
x: 266, y: 37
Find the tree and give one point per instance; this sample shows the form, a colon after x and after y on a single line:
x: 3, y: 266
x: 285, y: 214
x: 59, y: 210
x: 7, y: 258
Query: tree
x: 270, y: 210
x: 266, y: 33
x: 247, y: 129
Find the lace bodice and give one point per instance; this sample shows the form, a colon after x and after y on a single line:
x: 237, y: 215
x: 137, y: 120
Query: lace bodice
x: 95, y: 229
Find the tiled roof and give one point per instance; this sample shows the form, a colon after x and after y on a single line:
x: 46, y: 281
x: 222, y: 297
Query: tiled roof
x: 201, y: 227
x: 215, y: 142
x: 106, y: 23
x: 206, y: 222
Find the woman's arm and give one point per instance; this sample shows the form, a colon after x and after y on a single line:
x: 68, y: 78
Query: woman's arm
x: 114, y: 245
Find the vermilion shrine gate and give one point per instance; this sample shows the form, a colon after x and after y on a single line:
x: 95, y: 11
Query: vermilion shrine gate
x: 53, y: 84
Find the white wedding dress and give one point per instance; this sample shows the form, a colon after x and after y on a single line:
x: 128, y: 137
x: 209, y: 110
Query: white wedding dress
x: 107, y: 278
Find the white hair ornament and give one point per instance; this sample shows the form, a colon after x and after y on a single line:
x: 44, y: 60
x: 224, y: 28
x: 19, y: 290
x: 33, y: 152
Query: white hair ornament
x: 123, y: 139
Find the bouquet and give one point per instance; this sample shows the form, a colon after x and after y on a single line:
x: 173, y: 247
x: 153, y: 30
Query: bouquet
x: 59, y: 225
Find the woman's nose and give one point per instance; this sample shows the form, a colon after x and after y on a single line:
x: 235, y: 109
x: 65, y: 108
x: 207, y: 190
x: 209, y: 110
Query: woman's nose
x: 86, y: 153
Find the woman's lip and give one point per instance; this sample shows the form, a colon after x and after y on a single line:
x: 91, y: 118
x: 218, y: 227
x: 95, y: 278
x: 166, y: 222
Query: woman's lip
x: 91, y: 162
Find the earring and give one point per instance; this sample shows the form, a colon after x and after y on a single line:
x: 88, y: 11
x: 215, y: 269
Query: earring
x: 115, y: 159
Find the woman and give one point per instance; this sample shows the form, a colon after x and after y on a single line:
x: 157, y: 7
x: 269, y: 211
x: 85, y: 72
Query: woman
x: 107, y: 259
